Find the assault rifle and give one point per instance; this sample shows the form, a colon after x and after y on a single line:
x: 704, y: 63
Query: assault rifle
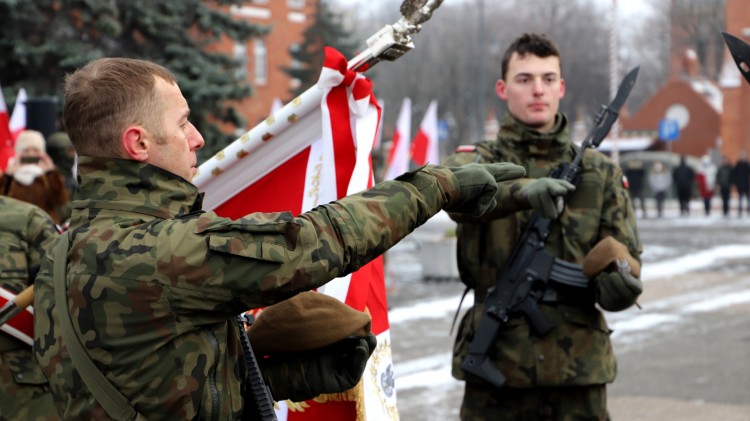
x: 531, y: 270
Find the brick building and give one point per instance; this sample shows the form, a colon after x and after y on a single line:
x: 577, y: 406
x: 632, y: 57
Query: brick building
x: 265, y: 57
x: 713, y: 116
x: 690, y: 99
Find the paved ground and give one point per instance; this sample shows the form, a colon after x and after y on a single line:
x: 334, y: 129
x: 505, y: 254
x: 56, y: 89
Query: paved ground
x: 684, y: 356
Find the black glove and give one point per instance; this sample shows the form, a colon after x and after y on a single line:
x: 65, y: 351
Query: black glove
x: 543, y: 195
x: 331, y: 369
x: 477, y: 186
x: 617, y: 291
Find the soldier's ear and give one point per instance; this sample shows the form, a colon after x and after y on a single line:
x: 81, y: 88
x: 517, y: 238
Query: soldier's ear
x: 500, y: 89
x: 562, y: 88
x: 135, y: 143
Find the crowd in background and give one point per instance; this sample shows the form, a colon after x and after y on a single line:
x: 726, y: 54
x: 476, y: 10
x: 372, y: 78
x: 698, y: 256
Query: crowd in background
x: 685, y: 182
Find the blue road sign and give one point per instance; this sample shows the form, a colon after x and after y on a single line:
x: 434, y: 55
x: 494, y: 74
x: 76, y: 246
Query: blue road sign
x: 443, y: 130
x: 669, y: 130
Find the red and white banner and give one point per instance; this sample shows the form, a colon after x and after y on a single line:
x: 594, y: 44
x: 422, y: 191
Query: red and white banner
x: 313, y: 150
x: 424, y: 147
x: 21, y: 326
x: 6, y: 139
x: 398, y: 157
x: 17, y: 122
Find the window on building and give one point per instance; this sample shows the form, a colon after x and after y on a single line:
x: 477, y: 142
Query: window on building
x: 295, y: 48
x: 240, y: 55
x: 296, y: 4
x: 261, y: 62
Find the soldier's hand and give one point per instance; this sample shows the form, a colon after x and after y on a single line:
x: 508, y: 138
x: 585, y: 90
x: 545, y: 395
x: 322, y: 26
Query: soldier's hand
x: 477, y: 186
x: 616, y: 291
x: 544, y: 195
x: 333, y: 369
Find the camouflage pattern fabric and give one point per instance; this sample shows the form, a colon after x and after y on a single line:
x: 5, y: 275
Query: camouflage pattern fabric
x: 154, y: 284
x: 577, y: 352
x: 482, y: 402
x: 25, y: 232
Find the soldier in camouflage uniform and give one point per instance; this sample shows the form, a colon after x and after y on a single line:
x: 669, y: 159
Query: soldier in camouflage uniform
x: 25, y: 232
x: 563, y: 374
x: 154, y: 283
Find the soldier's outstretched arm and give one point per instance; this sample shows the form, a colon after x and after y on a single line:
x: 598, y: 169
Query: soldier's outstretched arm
x: 261, y: 259
x: 377, y: 218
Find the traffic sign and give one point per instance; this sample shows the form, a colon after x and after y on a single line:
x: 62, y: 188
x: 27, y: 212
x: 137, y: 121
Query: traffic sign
x: 669, y: 130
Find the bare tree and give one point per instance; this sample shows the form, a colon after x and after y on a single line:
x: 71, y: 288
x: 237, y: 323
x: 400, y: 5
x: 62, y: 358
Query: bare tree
x: 457, y: 65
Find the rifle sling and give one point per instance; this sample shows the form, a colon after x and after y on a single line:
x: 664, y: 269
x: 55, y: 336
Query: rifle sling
x: 112, y: 400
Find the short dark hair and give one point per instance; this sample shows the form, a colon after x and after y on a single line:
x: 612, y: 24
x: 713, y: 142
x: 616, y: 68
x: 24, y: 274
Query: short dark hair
x: 529, y: 43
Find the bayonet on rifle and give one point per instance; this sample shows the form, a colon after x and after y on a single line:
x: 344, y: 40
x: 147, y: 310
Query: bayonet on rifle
x: 531, y: 270
x: 740, y: 51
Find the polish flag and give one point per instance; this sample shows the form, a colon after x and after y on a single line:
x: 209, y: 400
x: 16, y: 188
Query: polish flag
x: 17, y: 122
x: 398, y: 157
x: 6, y: 139
x: 379, y: 136
x: 424, y: 147
x: 315, y: 149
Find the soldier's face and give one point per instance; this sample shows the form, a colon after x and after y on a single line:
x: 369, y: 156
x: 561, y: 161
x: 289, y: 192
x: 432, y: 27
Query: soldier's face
x: 533, y: 88
x: 177, y: 139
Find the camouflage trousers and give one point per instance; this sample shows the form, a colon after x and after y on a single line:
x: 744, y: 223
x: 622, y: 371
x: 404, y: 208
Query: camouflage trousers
x: 24, y: 392
x: 483, y: 402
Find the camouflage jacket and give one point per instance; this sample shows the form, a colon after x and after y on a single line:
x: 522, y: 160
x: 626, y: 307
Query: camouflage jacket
x: 578, y: 350
x: 25, y: 233
x: 154, y: 284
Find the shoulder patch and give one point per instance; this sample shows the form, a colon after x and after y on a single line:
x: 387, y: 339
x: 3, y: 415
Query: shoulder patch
x: 466, y: 148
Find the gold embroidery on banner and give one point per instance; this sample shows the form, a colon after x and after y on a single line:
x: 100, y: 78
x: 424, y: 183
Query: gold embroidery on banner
x: 297, y: 406
x: 245, y: 138
x: 266, y: 137
x: 216, y: 171
x: 297, y: 101
x: 292, y: 118
x: 242, y: 153
x: 270, y: 120
x: 381, y: 355
x: 314, y: 192
x: 221, y: 155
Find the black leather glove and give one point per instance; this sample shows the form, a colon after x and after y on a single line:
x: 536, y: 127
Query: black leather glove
x: 616, y: 291
x: 331, y: 369
x: 543, y: 193
x: 477, y: 186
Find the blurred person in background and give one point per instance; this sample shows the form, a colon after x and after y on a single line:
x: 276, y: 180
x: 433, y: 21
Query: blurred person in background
x: 684, y: 179
x: 660, y: 181
x: 724, y: 182
x: 31, y: 176
x: 636, y: 175
x: 741, y: 179
x: 706, y: 179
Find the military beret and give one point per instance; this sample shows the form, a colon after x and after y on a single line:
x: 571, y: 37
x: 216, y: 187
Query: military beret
x: 606, y: 252
x: 309, y: 320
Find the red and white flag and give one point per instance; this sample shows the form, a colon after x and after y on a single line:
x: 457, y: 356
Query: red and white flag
x: 379, y: 136
x: 21, y: 326
x: 17, y: 122
x: 315, y: 149
x: 424, y: 147
x: 6, y: 139
x: 398, y: 157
